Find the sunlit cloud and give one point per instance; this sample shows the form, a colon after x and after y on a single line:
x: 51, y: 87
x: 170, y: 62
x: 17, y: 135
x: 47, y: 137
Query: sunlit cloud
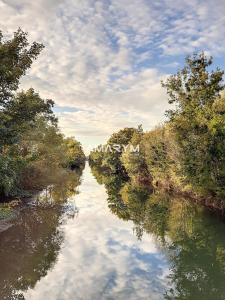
x: 107, y: 58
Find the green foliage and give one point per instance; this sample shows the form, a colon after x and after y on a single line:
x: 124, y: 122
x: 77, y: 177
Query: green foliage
x: 162, y: 156
x: 107, y: 157
x: 187, y: 153
x: 31, y: 147
x: 122, y: 138
x: 6, y: 212
x: 96, y: 156
x: 198, y: 121
x: 134, y: 162
x: 20, y: 114
x: 74, y: 153
x: 16, y: 57
x: 9, y: 174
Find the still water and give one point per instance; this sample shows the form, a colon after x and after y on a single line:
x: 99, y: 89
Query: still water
x: 112, y: 241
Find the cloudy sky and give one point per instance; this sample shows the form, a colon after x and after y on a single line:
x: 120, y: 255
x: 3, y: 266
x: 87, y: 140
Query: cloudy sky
x: 103, y: 60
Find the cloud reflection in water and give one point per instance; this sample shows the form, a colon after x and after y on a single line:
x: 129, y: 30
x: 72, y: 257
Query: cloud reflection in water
x: 101, y: 258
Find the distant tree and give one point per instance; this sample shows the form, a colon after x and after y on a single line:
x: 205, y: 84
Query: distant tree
x: 74, y: 153
x: 122, y: 138
x: 135, y: 161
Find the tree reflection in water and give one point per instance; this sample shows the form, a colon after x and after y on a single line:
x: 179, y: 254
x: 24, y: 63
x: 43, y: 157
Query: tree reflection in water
x: 190, y: 237
x: 29, y: 248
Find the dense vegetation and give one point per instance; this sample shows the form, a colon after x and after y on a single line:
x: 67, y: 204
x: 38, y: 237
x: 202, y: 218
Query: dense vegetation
x: 187, y: 153
x: 32, y: 149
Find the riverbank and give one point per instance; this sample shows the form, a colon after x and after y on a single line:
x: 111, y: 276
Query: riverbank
x: 213, y: 204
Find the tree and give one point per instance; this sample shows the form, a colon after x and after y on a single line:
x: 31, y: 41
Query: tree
x: 74, y: 153
x: 20, y: 114
x: 17, y: 111
x: 199, y: 126
x: 135, y: 161
x: 31, y: 147
x: 107, y: 157
x: 121, y: 138
x: 16, y: 57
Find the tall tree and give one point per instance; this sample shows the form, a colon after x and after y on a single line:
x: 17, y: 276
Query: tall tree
x: 17, y: 111
x: 16, y: 57
x: 199, y: 125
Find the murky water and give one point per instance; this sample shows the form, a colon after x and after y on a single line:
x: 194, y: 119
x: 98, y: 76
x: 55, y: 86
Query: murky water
x: 113, y: 241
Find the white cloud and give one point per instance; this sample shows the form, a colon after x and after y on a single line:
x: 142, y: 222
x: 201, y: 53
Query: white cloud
x: 101, y: 56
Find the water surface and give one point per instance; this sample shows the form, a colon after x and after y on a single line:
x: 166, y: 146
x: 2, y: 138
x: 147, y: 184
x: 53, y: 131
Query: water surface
x: 113, y: 241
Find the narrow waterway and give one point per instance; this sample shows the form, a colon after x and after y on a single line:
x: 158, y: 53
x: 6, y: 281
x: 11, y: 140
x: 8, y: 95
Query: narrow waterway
x: 88, y: 250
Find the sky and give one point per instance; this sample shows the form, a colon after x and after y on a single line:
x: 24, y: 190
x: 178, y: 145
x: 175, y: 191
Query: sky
x: 104, y: 60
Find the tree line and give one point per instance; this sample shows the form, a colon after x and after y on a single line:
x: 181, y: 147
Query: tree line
x: 32, y: 148
x: 187, y: 152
